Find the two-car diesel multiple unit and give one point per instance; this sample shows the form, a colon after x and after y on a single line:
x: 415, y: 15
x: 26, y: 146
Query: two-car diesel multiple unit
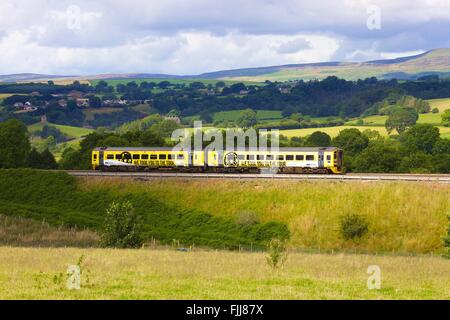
x: 286, y: 160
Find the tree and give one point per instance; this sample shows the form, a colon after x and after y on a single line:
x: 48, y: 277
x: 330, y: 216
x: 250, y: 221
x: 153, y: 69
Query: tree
x: 122, y: 228
x: 420, y: 137
x: 401, y: 119
x: 352, y: 141
x: 14, y: 144
x: 70, y: 159
x: 247, y: 119
x: 95, y: 102
x: 44, y: 160
x: 206, y: 116
x: 446, y: 118
x: 377, y: 157
x: 220, y: 84
x: 150, y: 139
x: 318, y: 139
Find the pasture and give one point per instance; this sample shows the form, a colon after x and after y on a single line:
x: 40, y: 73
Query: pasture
x: 441, y: 104
x: 69, y: 131
x: 236, y: 114
x: 400, y: 218
x: 149, y: 273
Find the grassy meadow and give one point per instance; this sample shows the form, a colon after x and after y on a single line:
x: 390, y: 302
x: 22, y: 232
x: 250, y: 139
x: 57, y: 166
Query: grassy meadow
x: 403, y: 217
x: 39, y: 273
x: 236, y: 114
x: 69, y: 131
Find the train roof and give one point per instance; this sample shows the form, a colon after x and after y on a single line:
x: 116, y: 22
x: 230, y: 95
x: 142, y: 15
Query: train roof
x: 282, y: 149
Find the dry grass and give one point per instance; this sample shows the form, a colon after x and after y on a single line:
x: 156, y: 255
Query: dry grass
x: 166, y: 274
x: 26, y: 232
x: 403, y: 217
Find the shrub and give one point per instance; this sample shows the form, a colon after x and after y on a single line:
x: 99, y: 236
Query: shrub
x: 353, y: 226
x: 247, y: 218
x: 277, y: 254
x: 122, y: 228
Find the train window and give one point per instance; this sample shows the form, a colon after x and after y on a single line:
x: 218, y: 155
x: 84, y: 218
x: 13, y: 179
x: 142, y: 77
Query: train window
x: 110, y: 157
x: 299, y: 157
x: 260, y: 157
x: 153, y: 157
x: 241, y: 157
x: 180, y: 156
x: 280, y: 157
x: 171, y: 157
x: 309, y: 157
x: 144, y: 157
x: 250, y: 157
x: 95, y: 157
x: 289, y: 157
x: 136, y: 156
x: 328, y: 158
x: 118, y: 156
x: 162, y: 157
x: 269, y: 157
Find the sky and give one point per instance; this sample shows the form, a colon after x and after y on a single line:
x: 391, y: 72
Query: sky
x: 78, y: 37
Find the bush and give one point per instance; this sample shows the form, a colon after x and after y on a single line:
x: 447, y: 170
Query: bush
x: 353, y: 226
x: 122, y: 227
x: 277, y: 253
x: 247, y: 218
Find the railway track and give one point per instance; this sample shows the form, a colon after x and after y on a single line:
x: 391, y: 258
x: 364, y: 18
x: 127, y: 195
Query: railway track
x: 348, y: 177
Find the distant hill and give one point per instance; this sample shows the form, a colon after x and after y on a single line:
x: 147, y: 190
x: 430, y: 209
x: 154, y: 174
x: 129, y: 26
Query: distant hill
x: 433, y: 62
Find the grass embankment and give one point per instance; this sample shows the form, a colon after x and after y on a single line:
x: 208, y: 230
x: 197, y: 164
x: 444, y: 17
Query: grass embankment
x: 166, y: 274
x: 18, y: 231
x: 403, y: 217
x: 59, y: 199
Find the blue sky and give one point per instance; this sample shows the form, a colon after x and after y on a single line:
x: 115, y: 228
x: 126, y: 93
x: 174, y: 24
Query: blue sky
x: 195, y: 36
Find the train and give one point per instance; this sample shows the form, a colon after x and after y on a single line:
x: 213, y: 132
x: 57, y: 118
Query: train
x: 320, y: 160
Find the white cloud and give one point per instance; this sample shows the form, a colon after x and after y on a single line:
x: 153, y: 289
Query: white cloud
x: 194, y: 36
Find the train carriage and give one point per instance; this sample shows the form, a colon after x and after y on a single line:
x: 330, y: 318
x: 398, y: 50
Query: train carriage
x: 284, y: 160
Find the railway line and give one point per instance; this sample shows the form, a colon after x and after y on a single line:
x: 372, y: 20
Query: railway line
x: 348, y: 177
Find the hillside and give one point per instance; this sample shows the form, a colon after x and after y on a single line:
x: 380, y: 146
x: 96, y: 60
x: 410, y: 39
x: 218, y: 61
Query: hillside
x: 435, y: 61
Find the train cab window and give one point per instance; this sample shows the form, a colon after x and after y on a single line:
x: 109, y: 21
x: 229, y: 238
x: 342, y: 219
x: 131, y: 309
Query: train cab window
x: 280, y: 157
x: 241, y: 157
x: 309, y: 157
x: 260, y: 157
x: 180, y: 156
x: 328, y: 158
x: 136, y: 156
x: 95, y: 157
x: 250, y: 157
x: 289, y: 157
x: 110, y: 157
x: 118, y: 156
x: 162, y: 157
x: 269, y: 157
x: 299, y: 157
x: 144, y: 157
x: 153, y: 157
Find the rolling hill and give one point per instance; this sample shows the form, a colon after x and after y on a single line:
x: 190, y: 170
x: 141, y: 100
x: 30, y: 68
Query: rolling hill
x: 433, y: 62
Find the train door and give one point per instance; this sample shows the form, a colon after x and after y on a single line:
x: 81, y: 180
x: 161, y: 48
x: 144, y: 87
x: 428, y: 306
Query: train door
x: 321, y: 162
x: 101, y: 157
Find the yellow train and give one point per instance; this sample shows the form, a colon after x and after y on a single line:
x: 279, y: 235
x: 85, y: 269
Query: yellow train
x: 327, y: 160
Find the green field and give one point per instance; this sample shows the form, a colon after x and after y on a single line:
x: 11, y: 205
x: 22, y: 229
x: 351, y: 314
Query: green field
x: 400, y: 218
x: 91, y: 112
x: 69, y: 131
x: 441, y: 104
x: 39, y: 273
x: 236, y: 114
x: 429, y: 118
x: 334, y: 131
